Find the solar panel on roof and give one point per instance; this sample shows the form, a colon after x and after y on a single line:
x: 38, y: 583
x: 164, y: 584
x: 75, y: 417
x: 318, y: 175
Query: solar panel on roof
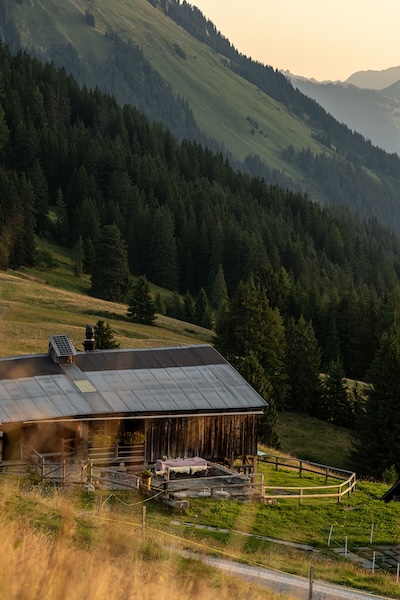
x: 62, y: 345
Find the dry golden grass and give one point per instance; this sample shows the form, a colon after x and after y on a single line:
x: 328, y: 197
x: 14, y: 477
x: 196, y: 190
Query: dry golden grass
x: 31, y: 310
x: 38, y: 565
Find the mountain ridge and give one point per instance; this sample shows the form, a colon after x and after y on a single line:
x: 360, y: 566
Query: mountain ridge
x: 259, y: 121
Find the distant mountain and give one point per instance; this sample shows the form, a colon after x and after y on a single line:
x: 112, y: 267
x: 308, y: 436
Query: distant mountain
x: 375, y: 80
x: 166, y: 59
x: 393, y: 91
x: 374, y: 114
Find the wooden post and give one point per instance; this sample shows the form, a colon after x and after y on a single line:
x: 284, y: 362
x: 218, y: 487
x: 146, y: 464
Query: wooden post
x: 42, y: 469
x: 330, y: 536
x: 373, y: 562
x: 301, y: 469
x: 310, y: 592
x: 116, y: 449
x: 144, y: 523
x: 326, y: 476
x: 64, y: 472
x: 338, y: 494
x: 301, y: 496
x: 90, y: 474
x: 262, y: 487
x: 372, y: 533
x: 345, y: 546
x: 255, y: 464
x: 276, y: 463
x: 398, y: 573
x: 166, y: 480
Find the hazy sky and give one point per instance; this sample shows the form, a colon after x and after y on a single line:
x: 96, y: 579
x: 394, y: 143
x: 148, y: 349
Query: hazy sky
x: 314, y: 38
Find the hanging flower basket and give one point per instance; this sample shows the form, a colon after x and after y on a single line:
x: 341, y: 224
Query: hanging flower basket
x: 130, y: 438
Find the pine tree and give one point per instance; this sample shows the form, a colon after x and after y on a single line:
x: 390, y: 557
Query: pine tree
x: 337, y: 402
x: 254, y: 374
x: 104, y: 336
x: 110, y: 276
x: 189, y: 307
x: 164, y: 265
x: 78, y: 257
x: 303, y: 361
x: 141, y: 307
x: 378, y: 445
x: 219, y: 292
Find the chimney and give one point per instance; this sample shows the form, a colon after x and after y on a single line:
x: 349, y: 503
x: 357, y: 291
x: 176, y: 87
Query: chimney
x: 89, y: 343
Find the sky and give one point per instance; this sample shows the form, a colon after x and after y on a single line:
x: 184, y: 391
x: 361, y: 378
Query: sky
x: 327, y: 40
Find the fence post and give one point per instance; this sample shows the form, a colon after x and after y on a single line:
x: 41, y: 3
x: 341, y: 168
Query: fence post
x: 144, y: 523
x: 64, y: 472
x: 301, y: 496
x: 330, y: 536
x: 345, y: 546
x: 398, y: 573
x: 90, y: 474
x: 338, y: 494
x: 326, y: 476
x: 42, y: 469
x: 301, y: 469
x: 373, y: 563
x: 262, y: 487
x: 276, y: 462
x: 310, y: 592
x: 372, y: 533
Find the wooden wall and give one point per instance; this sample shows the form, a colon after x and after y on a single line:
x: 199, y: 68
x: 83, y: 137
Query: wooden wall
x: 212, y: 437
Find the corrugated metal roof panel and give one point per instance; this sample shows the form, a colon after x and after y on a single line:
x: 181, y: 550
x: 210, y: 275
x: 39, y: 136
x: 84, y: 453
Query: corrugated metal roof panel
x: 62, y: 407
x: 12, y: 410
x: 31, y: 387
x: 132, y: 401
x: 97, y: 403
x: 14, y: 389
x: 114, y: 400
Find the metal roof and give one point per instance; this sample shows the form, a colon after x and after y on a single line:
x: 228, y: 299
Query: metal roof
x: 125, y: 382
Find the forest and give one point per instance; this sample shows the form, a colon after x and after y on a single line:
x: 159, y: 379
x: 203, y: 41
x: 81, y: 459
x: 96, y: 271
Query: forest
x: 343, y: 175
x: 279, y: 278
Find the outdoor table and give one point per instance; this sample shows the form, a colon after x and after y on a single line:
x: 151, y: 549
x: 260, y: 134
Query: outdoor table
x: 188, y: 466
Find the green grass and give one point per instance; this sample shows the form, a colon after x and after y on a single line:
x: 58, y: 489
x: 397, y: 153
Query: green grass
x: 315, y: 440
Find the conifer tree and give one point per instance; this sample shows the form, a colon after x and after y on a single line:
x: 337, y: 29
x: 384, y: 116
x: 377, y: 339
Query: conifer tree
x: 378, y: 445
x: 141, y: 305
x: 303, y: 361
x: 104, y: 336
x: 110, y: 275
x: 219, y: 292
x: 78, y: 257
x: 337, y: 401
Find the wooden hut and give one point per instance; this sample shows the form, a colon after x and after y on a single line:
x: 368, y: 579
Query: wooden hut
x: 173, y: 402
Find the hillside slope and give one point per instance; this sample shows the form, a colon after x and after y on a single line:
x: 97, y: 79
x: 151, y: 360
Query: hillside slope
x: 372, y: 113
x: 203, y: 89
x: 220, y: 100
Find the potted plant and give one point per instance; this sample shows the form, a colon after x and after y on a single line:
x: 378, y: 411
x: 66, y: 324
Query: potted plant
x: 130, y: 438
x: 146, y: 478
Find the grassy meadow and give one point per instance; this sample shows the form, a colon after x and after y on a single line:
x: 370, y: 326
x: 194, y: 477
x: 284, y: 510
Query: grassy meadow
x: 35, y: 304
x: 92, y: 544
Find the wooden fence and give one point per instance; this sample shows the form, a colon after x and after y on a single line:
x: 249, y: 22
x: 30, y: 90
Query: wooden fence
x: 113, y: 478
x: 47, y: 468
x: 348, y: 480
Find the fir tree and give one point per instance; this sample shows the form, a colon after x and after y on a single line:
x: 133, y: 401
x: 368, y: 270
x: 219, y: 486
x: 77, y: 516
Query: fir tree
x: 78, y: 257
x: 141, y: 305
x: 378, y: 445
x: 110, y: 276
x: 104, y: 336
x: 303, y: 361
